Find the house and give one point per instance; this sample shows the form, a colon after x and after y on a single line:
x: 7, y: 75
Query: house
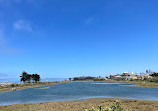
x: 140, y: 77
x: 117, y: 77
x: 111, y: 77
x: 148, y: 76
x: 134, y: 77
x: 125, y: 75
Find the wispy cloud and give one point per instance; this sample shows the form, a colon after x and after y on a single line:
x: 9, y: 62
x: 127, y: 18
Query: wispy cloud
x: 22, y: 25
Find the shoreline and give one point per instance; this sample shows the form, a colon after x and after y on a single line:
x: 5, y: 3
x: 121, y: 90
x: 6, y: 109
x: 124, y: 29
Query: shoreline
x: 21, y: 86
x: 82, y: 104
x: 138, y: 83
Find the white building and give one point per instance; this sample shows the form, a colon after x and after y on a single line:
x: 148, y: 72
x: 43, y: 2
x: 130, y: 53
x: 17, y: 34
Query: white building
x: 126, y: 75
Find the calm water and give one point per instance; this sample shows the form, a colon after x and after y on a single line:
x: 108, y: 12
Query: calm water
x: 77, y: 90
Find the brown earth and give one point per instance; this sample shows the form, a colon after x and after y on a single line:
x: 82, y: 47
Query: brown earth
x: 81, y: 105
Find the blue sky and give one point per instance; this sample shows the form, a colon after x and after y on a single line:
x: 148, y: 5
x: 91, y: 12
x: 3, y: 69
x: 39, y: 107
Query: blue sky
x: 67, y: 38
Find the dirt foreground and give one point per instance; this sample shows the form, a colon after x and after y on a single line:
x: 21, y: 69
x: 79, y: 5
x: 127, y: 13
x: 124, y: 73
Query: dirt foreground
x: 81, y: 105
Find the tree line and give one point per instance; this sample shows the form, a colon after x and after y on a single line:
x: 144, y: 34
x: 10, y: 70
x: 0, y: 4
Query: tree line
x: 154, y: 74
x: 25, y: 77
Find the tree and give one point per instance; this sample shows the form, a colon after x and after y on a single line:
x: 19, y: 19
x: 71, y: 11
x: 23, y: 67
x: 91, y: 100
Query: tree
x: 23, y: 77
x: 28, y: 77
x: 37, y: 78
x: 155, y: 74
x: 33, y: 77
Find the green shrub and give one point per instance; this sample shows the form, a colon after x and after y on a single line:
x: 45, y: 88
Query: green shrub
x: 154, y: 79
x: 116, y: 106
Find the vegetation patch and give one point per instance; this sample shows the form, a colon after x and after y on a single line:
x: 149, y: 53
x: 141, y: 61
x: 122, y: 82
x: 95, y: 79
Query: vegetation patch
x: 116, y: 106
x: 81, y: 105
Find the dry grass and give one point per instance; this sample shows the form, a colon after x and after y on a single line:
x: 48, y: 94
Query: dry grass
x: 80, y: 105
x: 26, y: 85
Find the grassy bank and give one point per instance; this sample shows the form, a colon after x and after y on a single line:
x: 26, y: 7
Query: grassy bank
x: 81, y: 105
x: 25, y: 85
x: 138, y: 83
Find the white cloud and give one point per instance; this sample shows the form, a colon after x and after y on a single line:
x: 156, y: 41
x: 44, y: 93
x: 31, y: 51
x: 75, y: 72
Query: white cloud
x: 22, y: 25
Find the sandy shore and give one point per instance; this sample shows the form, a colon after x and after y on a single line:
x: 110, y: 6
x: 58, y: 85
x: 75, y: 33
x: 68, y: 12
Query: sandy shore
x: 80, y: 105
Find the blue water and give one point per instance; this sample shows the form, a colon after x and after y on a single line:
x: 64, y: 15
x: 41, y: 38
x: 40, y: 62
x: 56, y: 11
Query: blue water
x: 77, y: 90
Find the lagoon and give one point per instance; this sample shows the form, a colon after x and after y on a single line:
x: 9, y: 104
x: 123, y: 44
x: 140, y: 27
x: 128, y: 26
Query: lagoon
x: 78, y: 90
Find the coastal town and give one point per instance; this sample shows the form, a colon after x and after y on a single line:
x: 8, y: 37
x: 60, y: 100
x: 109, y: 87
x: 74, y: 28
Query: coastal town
x: 132, y: 76
x: 124, y: 76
